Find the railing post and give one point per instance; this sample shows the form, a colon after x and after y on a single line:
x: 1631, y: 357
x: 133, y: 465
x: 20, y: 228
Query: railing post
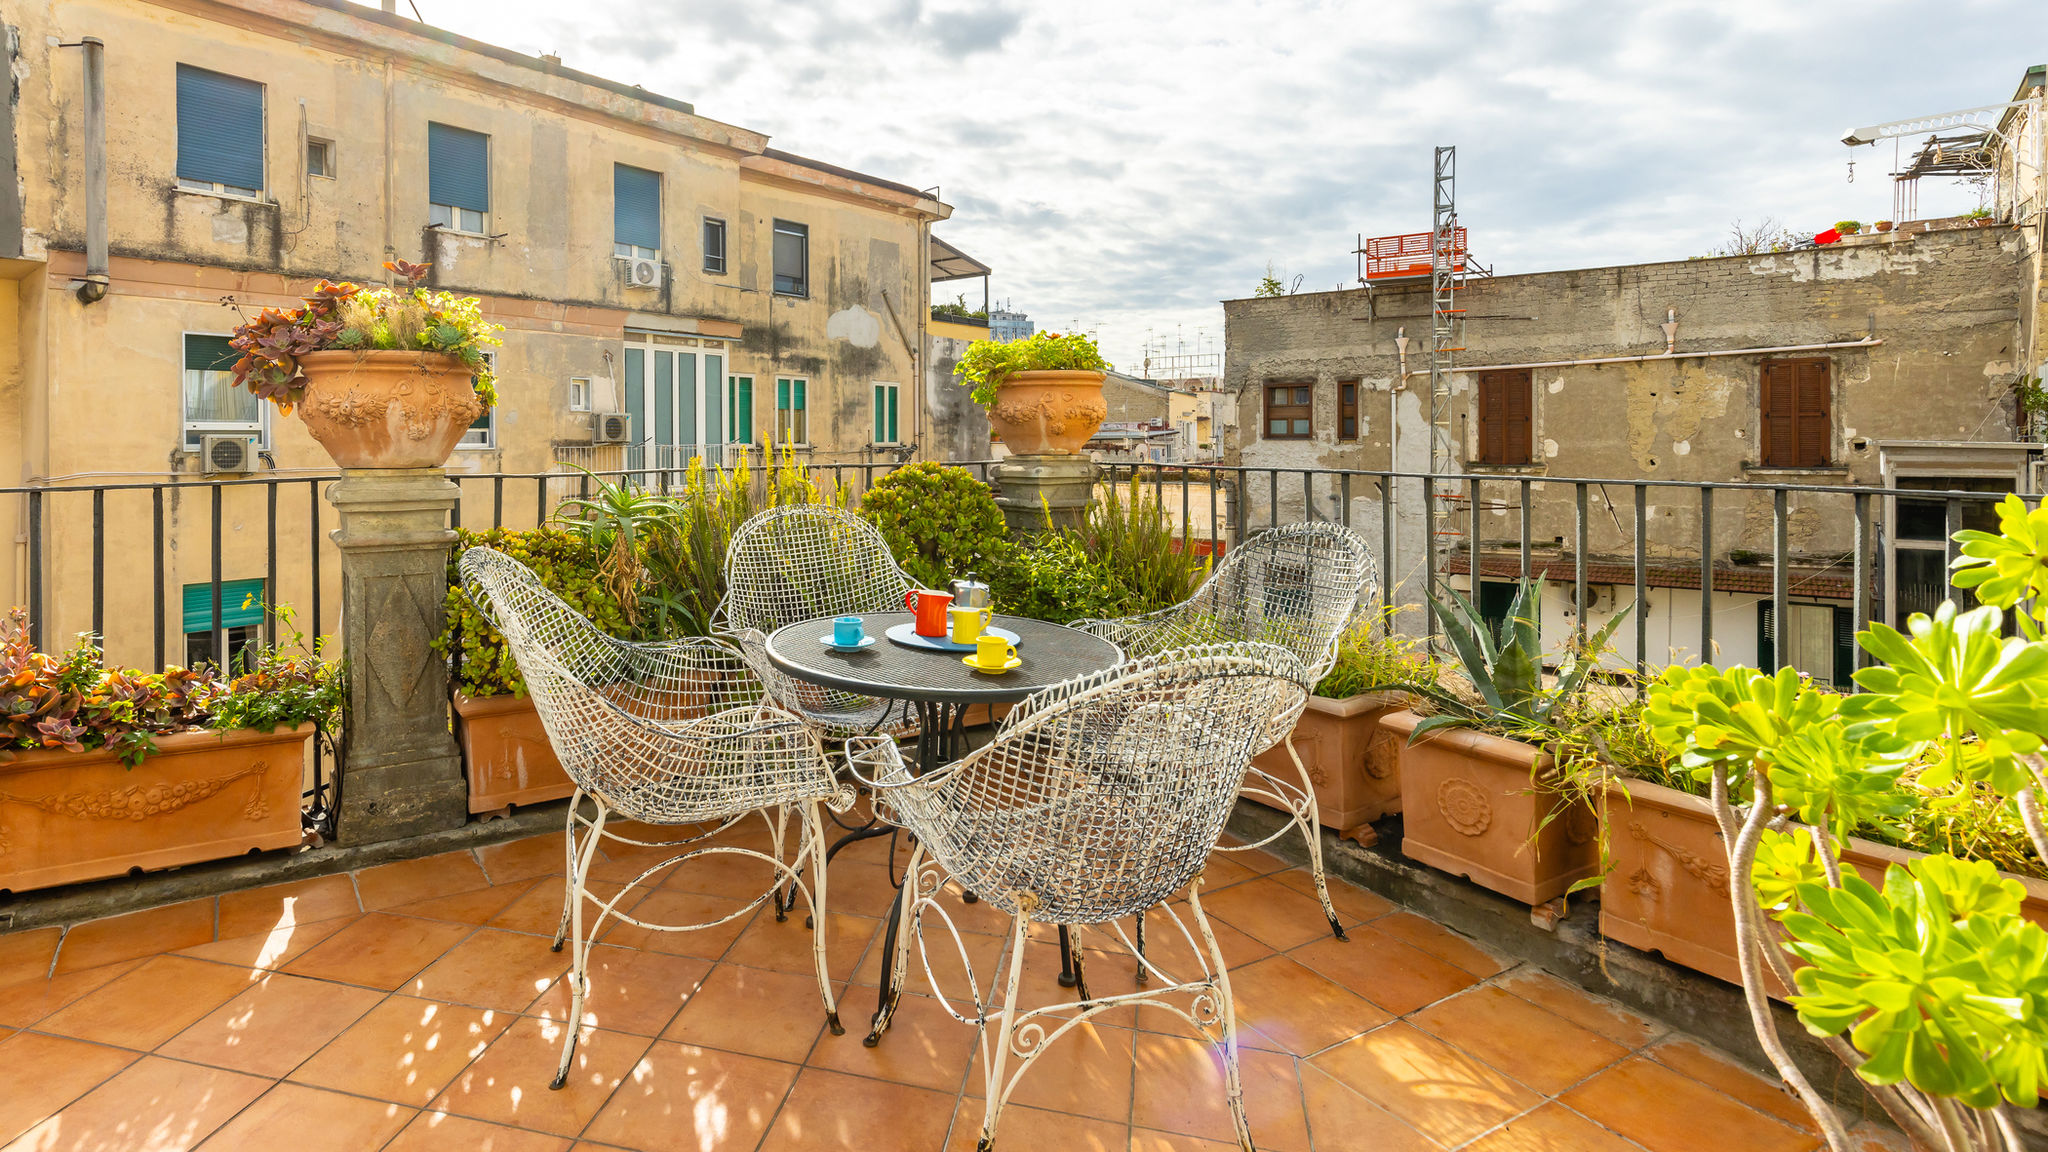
x: 402, y: 776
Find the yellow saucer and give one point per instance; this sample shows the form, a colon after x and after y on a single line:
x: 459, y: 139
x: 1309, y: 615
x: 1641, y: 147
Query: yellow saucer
x: 978, y: 666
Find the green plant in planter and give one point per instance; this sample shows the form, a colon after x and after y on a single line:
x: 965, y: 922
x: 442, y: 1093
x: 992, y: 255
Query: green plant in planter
x: 1371, y: 656
x: 1848, y: 227
x: 1505, y: 667
x: 1051, y: 578
x: 282, y: 685
x: 1128, y: 537
x: 75, y: 702
x: 566, y: 564
x: 1932, y: 986
x: 990, y: 362
x: 940, y: 522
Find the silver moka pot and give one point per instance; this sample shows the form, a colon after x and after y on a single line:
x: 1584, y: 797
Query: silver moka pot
x: 969, y: 592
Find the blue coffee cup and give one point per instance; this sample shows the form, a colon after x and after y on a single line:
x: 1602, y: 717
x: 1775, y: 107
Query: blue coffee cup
x: 846, y: 631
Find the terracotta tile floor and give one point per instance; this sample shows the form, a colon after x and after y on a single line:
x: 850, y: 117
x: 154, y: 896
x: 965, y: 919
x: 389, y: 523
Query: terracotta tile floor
x: 416, y: 1006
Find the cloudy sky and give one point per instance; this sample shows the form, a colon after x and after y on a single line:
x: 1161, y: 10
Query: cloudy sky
x: 1125, y: 164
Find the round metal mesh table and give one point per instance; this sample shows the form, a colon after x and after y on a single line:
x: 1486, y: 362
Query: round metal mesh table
x: 1050, y: 653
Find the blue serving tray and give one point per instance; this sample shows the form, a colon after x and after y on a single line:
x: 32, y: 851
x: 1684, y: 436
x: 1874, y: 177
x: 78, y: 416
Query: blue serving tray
x: 906, y: 635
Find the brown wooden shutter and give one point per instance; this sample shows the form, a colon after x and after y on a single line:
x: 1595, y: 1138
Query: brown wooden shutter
x: 1516, y: 408
x: 1493, y: 419
x: 1780, y: 423
x: 1811, y: 413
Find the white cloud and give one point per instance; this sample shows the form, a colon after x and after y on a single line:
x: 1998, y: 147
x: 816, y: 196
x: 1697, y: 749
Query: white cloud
x: 1125, y: 165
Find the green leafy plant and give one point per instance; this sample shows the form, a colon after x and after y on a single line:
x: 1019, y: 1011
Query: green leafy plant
x: 940, y: 522
x: 1505, y: 666
x: 957, y: 309
x: 988, y: 363
x: 75, y: 702
x: 282, y: 685
x: 1372, y: 656
x: 349, y: 317
x: 1050, y: 577
x: 1848, y: 227
x: 617, y: 520
x: 1129, y: 539
x: 1977, y: 214
x: 566, y: 564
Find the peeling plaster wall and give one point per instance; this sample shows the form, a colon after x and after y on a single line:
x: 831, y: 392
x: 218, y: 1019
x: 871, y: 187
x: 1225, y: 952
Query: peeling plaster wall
x: 1946, y: 304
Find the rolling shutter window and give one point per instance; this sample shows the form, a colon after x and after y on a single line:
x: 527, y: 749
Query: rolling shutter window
x: 220, y: 129
x: 1845, y: 648
x: 1766, y: 636
x: 241, y: 604
x: 1504, y: 417
x: 636, y: 206
x: 458, y: 168
x: 1797, y: 421
x: 792, y: 258
x: 209, y: 353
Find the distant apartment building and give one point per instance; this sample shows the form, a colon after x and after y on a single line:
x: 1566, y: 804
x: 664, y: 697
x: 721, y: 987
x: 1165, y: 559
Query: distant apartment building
x: 644, y: 260
x: 1889, y: 360
x: 1005, y: 325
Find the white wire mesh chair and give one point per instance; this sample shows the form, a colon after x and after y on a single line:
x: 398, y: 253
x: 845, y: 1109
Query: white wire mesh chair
x: 799, y: 562
x: 671, y: 733
x: 1099, y: 798
x: 1298, y: 586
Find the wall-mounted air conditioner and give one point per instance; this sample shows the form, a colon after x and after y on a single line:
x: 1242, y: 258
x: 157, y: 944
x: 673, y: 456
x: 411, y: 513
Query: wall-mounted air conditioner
x: 611, y: 427
x: 643, y: 273
x: 229, y: 453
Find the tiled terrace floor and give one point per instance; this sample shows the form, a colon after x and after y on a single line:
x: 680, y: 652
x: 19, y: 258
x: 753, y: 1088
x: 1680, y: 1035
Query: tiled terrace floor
x: 416, y: 1006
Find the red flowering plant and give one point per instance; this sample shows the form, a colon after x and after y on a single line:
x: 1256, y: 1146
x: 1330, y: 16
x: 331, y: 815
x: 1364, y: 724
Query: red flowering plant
x: 349, y: 317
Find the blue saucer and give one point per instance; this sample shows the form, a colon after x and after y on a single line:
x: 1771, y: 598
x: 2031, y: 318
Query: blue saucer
x: 865, y: 642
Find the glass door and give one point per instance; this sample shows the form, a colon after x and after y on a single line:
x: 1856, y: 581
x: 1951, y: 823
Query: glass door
x: 675, y: 395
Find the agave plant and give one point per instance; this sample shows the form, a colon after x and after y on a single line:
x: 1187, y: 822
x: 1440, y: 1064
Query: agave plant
x: 1505, y: 665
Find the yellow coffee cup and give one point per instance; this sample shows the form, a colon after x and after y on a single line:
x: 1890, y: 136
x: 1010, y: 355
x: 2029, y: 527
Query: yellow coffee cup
x: 994, y: 652
x: 968, y: 623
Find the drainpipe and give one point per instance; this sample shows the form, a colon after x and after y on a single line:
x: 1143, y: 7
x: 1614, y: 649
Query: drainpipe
x: 1670, y: 327
x: 93, y: 288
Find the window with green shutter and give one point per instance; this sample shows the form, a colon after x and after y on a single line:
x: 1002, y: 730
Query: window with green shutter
x: 739, y: 400
x: 220, y: 132
x: 458, y: 177
x: 792, y: 420
x: 241, y: 604
x: 212, y: 403
x: 636, y: 212
x: 885, y: 414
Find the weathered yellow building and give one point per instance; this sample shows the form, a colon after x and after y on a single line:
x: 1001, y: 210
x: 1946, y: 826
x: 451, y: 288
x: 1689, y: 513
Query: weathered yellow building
x: 642, y: 258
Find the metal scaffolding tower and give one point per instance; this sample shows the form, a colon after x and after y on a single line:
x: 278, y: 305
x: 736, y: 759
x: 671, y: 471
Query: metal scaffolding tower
x: 1446, y: 332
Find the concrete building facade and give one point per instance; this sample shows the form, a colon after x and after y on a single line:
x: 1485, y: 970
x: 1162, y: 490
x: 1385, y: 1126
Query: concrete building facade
x: 642, y: 258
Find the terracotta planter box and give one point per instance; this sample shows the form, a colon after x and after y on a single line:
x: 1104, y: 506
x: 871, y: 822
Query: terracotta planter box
x: 1353, y: 762
x: 1667, y: 891
x: 507, y: 755
x: 72, y: 816
x: 1471, y: 808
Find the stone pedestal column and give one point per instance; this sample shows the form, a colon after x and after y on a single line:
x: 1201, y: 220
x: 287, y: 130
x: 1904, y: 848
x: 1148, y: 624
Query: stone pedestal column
x: 1032, y: 487
x: 402, y: 776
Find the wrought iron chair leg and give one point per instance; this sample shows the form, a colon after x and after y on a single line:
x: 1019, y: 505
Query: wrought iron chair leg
x: 579, y: 949
x: 778, y: 824
x: 1080, y: 974
x: 1142, y: 975
x: 1310, y: 821
x: 995, y: 1056
x: 1219, y: 974
x: 896, y: 949
x: 814, y: 844
x: 568, y: 870
x: 1066, y: 958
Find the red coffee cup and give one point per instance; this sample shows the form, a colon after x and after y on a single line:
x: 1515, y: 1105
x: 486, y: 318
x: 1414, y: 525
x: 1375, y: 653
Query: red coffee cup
x: 931, y: 608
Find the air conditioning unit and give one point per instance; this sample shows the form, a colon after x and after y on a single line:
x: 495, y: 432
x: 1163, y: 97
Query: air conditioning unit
x: 611, y: 427
x: 643, y: 273
x: 229, y: 453
x: 1599, y: 597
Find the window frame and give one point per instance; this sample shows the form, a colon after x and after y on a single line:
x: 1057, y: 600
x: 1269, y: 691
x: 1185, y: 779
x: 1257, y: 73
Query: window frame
x: 802, y: 232
x: 893, y: 393
x: 639, y: 251
x: 1307, y: 408
x: 489, y: 420
x: 1347, y: 410
x: 192, y: 433
x: 793, y: 411
x: 579, y: 393
x: 704, y: 228
x: 737, y: 413
x: 1770, y: 453
x: 1517, y: 435
x: 455, y: 221
x: 215, y: 187
x: 326, y: 147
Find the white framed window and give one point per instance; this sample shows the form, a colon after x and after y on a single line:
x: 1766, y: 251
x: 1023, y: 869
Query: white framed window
x: 455, y: 219
x: 484, y: 432
x: 634, y: 252
x: 792, y: 410
x: 579, y: 393
x: 714, y: 246
x: 792, y: 259
x: 886, y: 429
x: 212, y: 405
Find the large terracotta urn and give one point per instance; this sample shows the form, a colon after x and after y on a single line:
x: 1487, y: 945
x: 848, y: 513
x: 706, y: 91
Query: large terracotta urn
x: 387, y: 409
x: 1048, y: 413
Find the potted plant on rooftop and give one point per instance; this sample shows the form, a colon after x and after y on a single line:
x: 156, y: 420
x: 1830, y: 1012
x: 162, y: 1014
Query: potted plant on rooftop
x: 110, y: 771
x: 1043, y: 393
x: 382, y: 377
x: 1478, y: 782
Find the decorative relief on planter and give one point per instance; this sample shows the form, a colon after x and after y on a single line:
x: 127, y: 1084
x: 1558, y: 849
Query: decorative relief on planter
x: 1644, y: 885
x: 139, y: 803
x: 422, y: 410
x: 1383, y: 756
x: 1054, y: 409
x: 1713, y: 873
x: 1465, y: 806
